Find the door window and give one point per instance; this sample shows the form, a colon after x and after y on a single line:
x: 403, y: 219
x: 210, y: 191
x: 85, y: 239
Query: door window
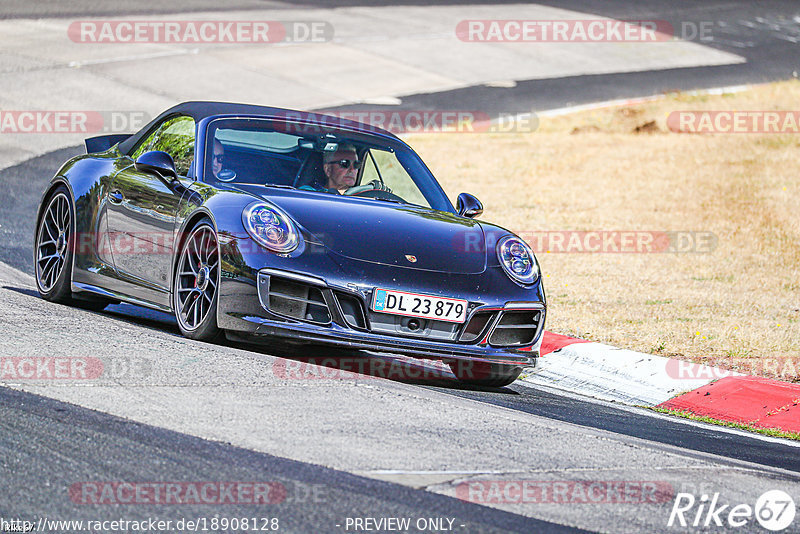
x: 175, y: 137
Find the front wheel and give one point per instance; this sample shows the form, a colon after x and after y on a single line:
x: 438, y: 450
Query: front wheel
x: 483, y: 374
x: 196, y: 284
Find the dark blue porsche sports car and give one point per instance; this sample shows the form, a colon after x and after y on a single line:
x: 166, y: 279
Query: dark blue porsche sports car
x: 269, y: 226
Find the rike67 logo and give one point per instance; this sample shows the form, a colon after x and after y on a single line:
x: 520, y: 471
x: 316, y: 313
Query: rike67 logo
x: 774, y: 510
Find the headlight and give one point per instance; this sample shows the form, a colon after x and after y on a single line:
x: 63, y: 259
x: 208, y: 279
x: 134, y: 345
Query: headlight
x: 270, y: 227
x: 517, y: 260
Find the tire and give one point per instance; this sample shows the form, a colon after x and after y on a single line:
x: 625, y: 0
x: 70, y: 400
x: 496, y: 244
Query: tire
x: 195, y: 286
x: 493, y: 375
x: 53, y: 248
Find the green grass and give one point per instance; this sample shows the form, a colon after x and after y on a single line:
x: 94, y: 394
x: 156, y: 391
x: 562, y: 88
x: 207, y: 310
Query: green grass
x: 658, y: 348
x: 750, y: 427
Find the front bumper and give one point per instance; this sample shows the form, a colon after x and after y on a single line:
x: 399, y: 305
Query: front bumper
x: 335, y: 336
x: 246, y: 317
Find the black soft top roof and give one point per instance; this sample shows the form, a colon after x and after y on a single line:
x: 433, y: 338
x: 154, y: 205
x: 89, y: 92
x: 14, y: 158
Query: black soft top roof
x: 199, y: 110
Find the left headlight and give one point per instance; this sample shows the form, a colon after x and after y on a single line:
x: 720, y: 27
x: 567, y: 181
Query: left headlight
x: 517, y: 260
x: 271, y: 227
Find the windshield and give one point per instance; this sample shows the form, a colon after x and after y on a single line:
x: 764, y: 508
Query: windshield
x: 318, y: 159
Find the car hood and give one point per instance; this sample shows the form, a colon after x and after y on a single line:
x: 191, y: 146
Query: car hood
x: 386, y: 233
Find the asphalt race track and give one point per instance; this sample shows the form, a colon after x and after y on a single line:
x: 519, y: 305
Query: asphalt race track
x: 27, y: 180
x: 82, y: 445
x: 764, y: 33
x: 85, y: 445
x: 332, y: 447
x: 417, y: 441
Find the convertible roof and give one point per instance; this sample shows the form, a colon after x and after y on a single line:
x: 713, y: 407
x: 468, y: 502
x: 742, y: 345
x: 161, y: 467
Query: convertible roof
x: 200, y: 110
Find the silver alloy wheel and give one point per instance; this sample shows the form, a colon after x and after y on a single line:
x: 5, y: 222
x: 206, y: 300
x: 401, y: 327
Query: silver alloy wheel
x: 197, y: 277
x: 53, y: 242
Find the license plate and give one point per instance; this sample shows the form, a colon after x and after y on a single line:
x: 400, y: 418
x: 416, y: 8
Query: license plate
x: 416, y: 305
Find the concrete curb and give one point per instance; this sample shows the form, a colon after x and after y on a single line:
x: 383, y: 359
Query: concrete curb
x: 630, y: 377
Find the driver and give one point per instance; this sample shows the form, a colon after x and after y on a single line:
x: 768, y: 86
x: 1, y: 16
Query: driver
x: 341, y: 172
x: 341, y: 168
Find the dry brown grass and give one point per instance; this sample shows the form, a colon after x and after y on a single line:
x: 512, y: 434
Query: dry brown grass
x: 737, y: 307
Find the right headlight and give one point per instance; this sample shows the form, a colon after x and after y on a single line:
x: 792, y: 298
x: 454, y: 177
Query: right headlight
x: 517, y: 260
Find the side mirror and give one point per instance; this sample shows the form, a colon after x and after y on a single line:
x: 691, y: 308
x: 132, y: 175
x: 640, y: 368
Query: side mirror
x: 468, y: 206
x: 157, y: 162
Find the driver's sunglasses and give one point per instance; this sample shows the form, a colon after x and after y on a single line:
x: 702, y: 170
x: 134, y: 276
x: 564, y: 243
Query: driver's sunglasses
x: 345, y: 163
x: 219, y: 157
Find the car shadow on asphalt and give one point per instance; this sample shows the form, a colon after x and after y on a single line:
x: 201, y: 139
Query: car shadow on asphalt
x: 325, y: 363
x: 22, y: 290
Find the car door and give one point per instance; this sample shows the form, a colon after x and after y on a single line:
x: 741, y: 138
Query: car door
x: 142, y: 209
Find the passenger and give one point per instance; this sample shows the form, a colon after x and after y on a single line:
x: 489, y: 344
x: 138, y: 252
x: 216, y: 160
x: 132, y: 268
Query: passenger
x: 217, y: 158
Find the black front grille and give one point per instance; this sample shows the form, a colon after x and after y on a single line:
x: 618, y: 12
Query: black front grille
x: 516, y: 328
x: 297, y: 300
x: 352, y: 310
x: 476, y: 326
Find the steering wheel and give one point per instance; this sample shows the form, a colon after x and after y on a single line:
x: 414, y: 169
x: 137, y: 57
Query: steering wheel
x: 226, y: 175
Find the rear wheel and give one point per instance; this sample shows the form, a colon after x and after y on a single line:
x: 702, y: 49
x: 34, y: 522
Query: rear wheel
x: 493, y: 375
x: 53, y: 253
x: 54, y: 250
x: 196, y: 283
